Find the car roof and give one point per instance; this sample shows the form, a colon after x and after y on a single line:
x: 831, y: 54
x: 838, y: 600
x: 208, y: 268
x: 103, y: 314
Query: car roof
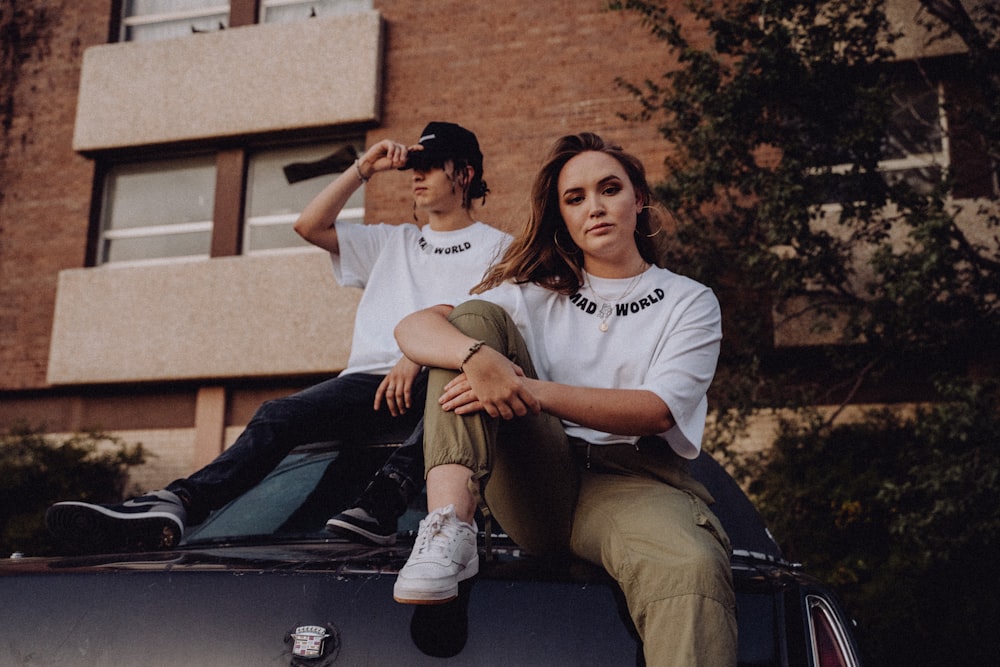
x: 744, y: 525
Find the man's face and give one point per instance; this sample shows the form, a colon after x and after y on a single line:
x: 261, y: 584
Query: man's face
x: 435, y: 188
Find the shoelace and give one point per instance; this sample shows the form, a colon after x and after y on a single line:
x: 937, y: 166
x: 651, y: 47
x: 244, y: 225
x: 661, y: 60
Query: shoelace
x: 436, y: 534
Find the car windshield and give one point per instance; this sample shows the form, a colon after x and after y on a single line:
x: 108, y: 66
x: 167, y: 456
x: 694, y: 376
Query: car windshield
x: 294, y: 502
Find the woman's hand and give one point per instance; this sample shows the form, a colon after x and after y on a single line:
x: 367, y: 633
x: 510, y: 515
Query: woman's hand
x: 493, y: 383
x: 397, y: 386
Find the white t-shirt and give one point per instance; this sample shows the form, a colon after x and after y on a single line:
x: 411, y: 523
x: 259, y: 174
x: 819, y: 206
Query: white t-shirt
x: 403, y: 269
x: 662, y: 335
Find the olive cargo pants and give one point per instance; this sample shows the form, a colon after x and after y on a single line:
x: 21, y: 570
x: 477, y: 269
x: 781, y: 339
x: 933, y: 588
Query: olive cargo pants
x: 633, y: 510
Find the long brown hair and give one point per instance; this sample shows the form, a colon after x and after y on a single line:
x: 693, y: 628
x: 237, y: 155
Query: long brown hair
x: 543, y: 253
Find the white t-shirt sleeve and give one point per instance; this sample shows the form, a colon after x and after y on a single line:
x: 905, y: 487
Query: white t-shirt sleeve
x: 360, y: 247
x: 683, y: 368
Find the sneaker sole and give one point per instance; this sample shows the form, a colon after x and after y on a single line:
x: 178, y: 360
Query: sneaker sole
x: 94, y: 529
x: 417, y: 596
x: 357, y: 533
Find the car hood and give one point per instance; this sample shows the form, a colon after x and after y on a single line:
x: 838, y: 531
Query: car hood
x: 242, y: 605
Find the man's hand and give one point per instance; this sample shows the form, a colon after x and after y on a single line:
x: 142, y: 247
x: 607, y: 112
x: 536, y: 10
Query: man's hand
x: 383, y: 156
x: 396, y: 387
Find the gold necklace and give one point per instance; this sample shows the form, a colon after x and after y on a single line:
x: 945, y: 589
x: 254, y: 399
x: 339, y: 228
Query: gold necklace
x: 606, y: 310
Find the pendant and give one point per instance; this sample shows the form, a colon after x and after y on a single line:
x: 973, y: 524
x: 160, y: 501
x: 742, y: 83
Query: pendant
x: 604, y: 314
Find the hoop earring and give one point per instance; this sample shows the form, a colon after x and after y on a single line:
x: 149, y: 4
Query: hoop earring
x: 555, y: 239
x: 658, y: 230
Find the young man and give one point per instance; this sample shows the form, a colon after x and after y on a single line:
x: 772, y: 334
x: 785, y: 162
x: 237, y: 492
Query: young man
x: 402, y: 268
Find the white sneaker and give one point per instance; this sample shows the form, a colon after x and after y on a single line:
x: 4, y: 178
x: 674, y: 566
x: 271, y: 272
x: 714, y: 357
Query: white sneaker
x: 444, y: 554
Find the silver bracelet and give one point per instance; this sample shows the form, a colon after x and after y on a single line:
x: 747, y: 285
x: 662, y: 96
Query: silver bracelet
x: 472, y: 350
x: 357, y: 166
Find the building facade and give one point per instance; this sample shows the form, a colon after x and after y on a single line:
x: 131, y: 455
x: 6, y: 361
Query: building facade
x: 149, y: 282
x: 150, y: 285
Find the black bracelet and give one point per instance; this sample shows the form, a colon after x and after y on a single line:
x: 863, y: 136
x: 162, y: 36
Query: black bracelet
x: 472, y: 350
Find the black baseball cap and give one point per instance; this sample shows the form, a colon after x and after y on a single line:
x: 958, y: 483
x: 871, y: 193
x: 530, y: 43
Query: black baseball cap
x: 448, y: 141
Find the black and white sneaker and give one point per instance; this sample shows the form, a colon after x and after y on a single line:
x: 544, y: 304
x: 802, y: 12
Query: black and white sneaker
x: 153, y: 521
x: 357, y: 525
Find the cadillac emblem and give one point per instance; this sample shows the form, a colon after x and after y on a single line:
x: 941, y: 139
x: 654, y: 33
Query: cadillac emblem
x: 308, y: 641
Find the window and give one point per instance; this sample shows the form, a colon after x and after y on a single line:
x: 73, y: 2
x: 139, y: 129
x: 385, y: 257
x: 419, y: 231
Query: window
x: 192, y: 208
x: 148, y: 20
x: 273, y: 203
x: 286, y: 11
x: 915, y: 149
x: 158, y: 210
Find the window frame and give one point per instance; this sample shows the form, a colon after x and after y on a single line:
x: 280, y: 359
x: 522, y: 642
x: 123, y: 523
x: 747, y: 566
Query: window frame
x: 887, y: 167
x: 248, y: 223
x: 229, y: 222
x: 239, y: 13
x: 264, y: 5
x: 101, y: 215
x: 213, y: 11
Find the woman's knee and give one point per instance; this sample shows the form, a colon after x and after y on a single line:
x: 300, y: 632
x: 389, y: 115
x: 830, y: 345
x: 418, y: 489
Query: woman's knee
x: 480, y: 319
x: 493, y: 325
x: 478, y: 307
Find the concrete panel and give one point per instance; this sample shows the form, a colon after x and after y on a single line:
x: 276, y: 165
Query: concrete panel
x: 245, y: 80
x: 912, y: 20
x: 221, y: 318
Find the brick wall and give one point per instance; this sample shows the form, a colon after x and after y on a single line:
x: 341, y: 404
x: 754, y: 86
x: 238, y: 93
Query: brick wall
x: 520, y: 74
x: 44, y: 187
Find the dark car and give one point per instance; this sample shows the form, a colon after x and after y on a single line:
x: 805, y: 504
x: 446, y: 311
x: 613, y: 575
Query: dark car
x: 262, y: 583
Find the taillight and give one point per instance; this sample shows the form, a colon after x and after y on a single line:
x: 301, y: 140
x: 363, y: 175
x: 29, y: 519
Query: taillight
x: 830, y: 645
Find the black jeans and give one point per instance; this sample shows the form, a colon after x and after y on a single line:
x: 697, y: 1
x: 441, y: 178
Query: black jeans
x: 338, y: 409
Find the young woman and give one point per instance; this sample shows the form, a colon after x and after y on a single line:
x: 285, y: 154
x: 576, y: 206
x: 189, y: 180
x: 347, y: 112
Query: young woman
x: 566, y: 401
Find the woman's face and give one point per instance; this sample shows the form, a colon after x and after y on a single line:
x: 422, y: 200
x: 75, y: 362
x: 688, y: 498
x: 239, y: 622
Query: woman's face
x: 599, y: 206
